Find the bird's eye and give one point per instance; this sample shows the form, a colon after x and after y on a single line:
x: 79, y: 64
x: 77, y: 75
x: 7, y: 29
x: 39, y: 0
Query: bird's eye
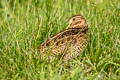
x: 73, y: 19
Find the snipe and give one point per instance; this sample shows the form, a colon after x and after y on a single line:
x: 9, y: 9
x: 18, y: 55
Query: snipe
x: 66, y: 44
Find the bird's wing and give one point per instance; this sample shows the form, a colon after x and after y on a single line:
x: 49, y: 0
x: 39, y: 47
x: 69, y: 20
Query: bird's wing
x: 62, y: 34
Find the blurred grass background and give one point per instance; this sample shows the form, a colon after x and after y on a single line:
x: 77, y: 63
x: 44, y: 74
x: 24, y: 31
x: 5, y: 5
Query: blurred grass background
x: 24, y: 24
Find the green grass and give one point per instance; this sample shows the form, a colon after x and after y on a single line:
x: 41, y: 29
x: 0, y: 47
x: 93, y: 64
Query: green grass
x: 24, y: 24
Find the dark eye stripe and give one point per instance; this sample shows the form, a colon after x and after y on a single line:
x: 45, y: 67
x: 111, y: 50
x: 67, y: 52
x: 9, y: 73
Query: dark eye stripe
x: 78, y: 22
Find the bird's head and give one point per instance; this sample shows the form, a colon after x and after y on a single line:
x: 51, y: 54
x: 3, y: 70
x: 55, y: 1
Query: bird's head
x: 77, y: 21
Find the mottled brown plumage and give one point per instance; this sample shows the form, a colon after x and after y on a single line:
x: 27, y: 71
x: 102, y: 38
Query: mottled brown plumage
x: 66, y: 44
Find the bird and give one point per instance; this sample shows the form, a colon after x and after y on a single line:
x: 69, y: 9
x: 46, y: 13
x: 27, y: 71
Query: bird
x: 68, y: 43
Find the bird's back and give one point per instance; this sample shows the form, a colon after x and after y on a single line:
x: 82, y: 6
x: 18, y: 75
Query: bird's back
x: 65, y: 44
